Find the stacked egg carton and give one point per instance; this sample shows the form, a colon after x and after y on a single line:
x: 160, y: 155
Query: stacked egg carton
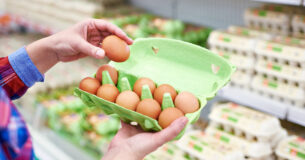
x: 272, y: 21
x: 169, y: 151
x: 254, y: 133
x: 238, y: 49
x: 298, y: 25
x: 54, y: 14
x: 202, y: 146
x: 291, y: 148
x: 280, y: 71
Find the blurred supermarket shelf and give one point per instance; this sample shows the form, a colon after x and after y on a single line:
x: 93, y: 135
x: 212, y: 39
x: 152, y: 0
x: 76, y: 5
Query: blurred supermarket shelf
x: 49, y: 146
x: 248, y: 98
x: 296, y: 115
x: 289, y: 2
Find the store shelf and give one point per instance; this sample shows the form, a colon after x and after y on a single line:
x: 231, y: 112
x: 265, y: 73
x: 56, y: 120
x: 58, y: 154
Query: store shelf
x: 296, y: 115
x: 253, y: 100
x: 289, y: 2
x: 48, y: 145
x: 45, y: 30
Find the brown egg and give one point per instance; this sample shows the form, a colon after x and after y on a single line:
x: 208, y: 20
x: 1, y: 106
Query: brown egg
x: 144, y: 81
x: 169, y: 115
x: 108, y: 92
x: 89, y: 85
x: 115, y: 48
x: 128, y: 100
x: 112, y: 72
x: 149, y: 107
x: 164, y: 88
x: 186, y: 102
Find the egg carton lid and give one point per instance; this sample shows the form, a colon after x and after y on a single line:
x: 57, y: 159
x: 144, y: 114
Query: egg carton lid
x: 245, y: 119
x: 251, y: 149
x: 185, y: 66
x: 203, y: 146
x: 292, y: 147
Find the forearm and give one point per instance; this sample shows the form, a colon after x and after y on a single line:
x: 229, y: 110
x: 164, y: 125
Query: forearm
x: 42, y: 54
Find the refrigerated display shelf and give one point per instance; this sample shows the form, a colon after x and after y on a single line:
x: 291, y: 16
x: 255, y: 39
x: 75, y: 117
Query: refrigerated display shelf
x: 296, y: 115
x: 253, y: 100
x: 289, y: 2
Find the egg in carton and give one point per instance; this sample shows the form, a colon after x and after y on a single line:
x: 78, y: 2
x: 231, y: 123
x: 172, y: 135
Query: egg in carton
x: 283, y: 71
x: 275, y: 22
x: 276, y: 89
x: 251, y: 149
x: 228, y: 42
x: 298, y: 26
x: 245, y: 31
x: 293, y: 55
x: 245, y: 122
x: 169, y: 55
x: 203, y: 146
x: 292, y: 147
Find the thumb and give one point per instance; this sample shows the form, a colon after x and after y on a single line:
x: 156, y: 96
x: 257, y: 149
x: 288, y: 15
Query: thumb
x: 91, y: 50
x: 170, y: 132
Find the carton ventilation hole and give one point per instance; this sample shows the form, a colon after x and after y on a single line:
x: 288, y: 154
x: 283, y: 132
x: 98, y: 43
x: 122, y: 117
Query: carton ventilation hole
x: 215, y: 68
x: 155, y: 49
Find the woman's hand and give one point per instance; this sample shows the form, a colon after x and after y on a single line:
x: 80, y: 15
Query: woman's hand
x: 131, y: 143
x: 81, y: 40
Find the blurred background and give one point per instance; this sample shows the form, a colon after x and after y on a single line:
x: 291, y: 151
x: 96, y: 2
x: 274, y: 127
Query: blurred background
x: 265, y: 39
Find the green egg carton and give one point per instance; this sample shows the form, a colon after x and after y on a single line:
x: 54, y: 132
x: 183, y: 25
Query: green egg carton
x: 185, y: 66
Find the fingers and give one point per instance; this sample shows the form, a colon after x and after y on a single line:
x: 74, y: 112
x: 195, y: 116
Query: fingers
x: 91, y: 50
x: 113, y: 29
x: 170, y: 132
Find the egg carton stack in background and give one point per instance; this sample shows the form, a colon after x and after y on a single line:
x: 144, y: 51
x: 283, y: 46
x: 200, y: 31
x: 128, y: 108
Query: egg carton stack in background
x: 271, y: 21
x: 54, y: 15
x: 169, y: 151
x: 280, y: 70
x: 292, y: 147
x: 238, y: 49
x: 255, y: 133
x: 298, y: 25
x: 202, y: 146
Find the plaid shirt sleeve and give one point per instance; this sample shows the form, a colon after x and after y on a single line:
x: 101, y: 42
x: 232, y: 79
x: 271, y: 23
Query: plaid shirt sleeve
x: 17, y: 73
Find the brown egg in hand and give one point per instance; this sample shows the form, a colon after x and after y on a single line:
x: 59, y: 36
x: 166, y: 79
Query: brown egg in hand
x: 128, y: 100
x: 141, y: 82
x: 89, y: 85
x: 115, y: 48
x: 149, y: 107
x: 169, y: 115
x: 186, y: 102
x: 112, y: 72
x: 164, y: 88
x: 108, y: 92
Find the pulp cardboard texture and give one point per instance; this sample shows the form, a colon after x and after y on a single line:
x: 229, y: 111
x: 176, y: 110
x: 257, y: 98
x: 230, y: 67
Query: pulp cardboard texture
x: 282, y: 52
x: 298, y: 26
x: 258, y: 34
x: 280, y: 70
x: 204, y: 146
x: 251, y: 149
x: 292, y: 147
x: 239, y: 60
x: 268, y: 86
x: 185, y: 66
x: 242, y: 121
x: 231, y: 42
x: 275, y: 22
